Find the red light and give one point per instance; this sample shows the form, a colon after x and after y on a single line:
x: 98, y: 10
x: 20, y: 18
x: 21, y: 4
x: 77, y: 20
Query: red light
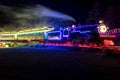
x: 68, y: 43
x: 108, y: 42
x: 79, y: 45
x: 95, y: 45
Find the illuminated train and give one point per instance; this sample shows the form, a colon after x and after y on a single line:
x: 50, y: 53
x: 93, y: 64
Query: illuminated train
x: 85, y: 34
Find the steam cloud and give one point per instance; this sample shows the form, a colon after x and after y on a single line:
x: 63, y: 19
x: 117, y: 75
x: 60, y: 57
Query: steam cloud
x: 12, y: 15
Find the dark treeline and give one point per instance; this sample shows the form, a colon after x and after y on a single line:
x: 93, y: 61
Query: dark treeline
x: 110, y: 13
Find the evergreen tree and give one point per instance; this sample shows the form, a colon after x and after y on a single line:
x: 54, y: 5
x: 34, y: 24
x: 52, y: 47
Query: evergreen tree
x: 96, y: 13
x: 112, y: 16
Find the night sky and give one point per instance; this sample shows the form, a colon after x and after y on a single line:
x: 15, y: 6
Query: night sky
x: 76, y: 8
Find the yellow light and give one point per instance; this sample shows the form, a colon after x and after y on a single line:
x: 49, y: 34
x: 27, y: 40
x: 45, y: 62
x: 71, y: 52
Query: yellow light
x: 27, y: 30
x: 4, y: 43
x: 101, y: 21
x: 52, y: 28
x: 21, y: 31
x: 7, y: 46
x: 103, y: 28
x: 36, y: 29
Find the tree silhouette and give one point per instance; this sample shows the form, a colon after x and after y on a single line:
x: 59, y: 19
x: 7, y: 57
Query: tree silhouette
x: 96, y: 13
x: 112, y: 16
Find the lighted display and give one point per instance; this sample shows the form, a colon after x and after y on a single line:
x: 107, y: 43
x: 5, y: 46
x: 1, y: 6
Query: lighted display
x: 33, y: 35
x: 103, y: 28
x: 108, y: 42
x: 54, y: 35
x: 114, y: 31
x: 66, y: 33
x: 33, y: 32
x: 73, y: 26
x: 110, y: 36
x: 101, y: 21
x: 81, y: 31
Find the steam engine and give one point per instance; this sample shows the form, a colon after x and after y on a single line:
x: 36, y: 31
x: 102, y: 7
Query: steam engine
x: 85, y: 34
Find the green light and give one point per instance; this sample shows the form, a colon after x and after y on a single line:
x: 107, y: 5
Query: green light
x: 16, y: 37
x: 7, y: 34
x: 26, y: 33
x: 33, y: 32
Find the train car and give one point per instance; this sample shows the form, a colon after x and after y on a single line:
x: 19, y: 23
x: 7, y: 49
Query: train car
x: 31, y: 36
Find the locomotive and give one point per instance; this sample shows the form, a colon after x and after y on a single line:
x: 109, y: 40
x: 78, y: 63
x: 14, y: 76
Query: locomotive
x: 82, y: 34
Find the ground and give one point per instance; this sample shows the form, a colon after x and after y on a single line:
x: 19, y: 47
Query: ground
x: 57, y: 63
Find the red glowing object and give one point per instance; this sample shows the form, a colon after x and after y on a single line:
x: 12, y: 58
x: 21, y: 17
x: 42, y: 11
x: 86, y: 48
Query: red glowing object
x: 108, y: 43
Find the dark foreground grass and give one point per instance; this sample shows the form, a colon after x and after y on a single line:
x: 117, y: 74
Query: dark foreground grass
x: 57, y: 63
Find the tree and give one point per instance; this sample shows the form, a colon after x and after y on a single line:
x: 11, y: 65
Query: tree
x: 96, y: 13
x: 112, y: 16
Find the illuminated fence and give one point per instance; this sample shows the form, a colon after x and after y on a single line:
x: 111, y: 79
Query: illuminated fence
x: 111, y: 33
x: 114, y: 31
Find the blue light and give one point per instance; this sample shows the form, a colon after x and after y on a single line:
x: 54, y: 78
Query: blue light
x: 54, y: 38
x: 87, y: 26
x: 45, y: 34
x: 66, y: 35
x: 82, y: 31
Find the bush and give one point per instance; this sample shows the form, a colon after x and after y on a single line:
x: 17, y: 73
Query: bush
x: 111, y: 51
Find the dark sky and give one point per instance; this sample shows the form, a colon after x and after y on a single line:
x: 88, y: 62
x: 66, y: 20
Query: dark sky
x: 75, y: 8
